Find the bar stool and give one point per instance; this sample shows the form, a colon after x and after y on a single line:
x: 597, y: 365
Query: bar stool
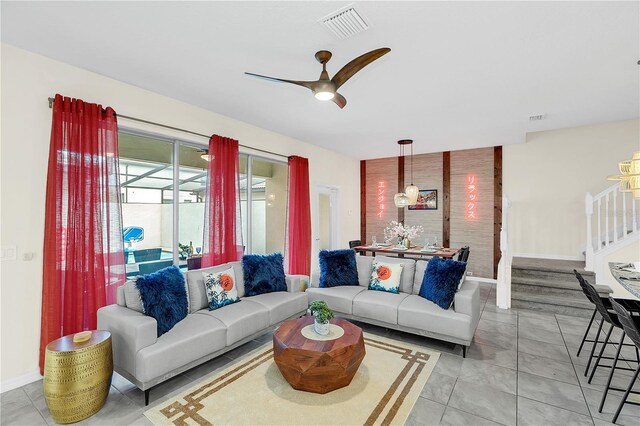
x: 610, y: 317
x: 631, y: 326
x: 602, y: 306
x: 593, y: 316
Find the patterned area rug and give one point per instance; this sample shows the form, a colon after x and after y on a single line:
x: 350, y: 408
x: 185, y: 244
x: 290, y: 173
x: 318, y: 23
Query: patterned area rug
x: 253, y: 392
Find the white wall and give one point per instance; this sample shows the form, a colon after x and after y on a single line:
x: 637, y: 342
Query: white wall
x: 27, y: 81
x: 146, y: 216
x: 547, y: 177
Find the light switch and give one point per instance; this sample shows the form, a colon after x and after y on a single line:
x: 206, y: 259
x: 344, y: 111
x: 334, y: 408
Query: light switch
x: 9, y: 253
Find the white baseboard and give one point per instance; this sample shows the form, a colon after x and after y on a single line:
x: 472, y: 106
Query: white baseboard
x: 19, y: 381
x: 482, y: 280
x: 548, y: 256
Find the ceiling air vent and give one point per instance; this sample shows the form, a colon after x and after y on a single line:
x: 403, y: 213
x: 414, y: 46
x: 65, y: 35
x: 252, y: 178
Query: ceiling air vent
x: 537, y: 117
x: 345, y: 22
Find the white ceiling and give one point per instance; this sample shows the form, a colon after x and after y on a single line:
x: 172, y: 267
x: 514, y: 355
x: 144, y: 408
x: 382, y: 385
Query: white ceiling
x: 459, y: 75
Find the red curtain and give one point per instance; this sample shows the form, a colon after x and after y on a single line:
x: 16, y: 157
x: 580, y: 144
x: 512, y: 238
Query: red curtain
x: 83, y: 261
x: 222, y: 224
x: 299, y: 218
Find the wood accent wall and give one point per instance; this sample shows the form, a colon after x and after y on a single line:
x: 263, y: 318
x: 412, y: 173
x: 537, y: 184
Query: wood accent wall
x: 478, y: 233
x: 427, y: 174
x: 363, y: 201
x: 447, y: 172
x: 446, y: 198
x: 497, y: 207
x: 376, y: 171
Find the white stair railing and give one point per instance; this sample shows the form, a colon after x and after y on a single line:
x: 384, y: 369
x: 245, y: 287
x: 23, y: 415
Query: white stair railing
x: 611, y: 218
x: 503, y: 286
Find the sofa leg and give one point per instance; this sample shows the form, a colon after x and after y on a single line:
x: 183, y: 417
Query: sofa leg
x: 146, y: 397
x: 464, y: 351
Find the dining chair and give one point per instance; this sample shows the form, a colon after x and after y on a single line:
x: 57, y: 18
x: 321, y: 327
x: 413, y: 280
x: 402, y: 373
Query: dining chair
x: 355, y: 243
x: 463, y: 255
x: 631, y: 326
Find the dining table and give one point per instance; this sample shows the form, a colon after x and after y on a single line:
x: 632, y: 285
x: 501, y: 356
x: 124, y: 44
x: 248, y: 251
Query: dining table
x: 413, y: 251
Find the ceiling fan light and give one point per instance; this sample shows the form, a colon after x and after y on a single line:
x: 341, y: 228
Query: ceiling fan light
x: 206, y: 156
x: 324, y: 96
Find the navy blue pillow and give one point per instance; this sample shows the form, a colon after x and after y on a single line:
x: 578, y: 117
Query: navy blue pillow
x: 440, y: 281
x: 263, y: 273
x: 338, y: 267
x: 164, y: 297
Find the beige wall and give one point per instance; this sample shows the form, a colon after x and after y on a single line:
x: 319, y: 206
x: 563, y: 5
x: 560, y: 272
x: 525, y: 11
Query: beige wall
x: 27, y: 81
x: 547, y: 177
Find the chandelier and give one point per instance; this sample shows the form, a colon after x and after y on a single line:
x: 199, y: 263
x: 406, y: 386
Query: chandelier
x: 629, y: 175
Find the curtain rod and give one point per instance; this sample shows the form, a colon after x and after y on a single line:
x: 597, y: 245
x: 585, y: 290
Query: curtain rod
x: 153, y: 123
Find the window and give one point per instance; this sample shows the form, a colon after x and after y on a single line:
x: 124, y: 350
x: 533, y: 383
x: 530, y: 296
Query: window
x: 193, y: 185
x: 263, y: 187
x: 148, y: 169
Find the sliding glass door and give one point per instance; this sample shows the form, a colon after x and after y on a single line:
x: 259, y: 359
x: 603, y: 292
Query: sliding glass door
x: 154, y: 172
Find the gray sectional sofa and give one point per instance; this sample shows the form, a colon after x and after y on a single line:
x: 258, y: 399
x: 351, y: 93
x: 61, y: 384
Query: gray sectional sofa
x: 147, y: 360
x: 406, y: 311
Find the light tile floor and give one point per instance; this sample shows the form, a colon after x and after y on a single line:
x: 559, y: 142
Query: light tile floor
x: 521, y: 369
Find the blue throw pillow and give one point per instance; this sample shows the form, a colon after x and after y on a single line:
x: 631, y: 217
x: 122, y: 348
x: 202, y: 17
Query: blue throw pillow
x: 440, y: 281
x: 263, y: 274
x: 338, y: 267
x: 164, y: 297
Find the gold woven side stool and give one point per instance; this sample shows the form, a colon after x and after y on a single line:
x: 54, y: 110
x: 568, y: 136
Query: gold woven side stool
x: 77, y: 375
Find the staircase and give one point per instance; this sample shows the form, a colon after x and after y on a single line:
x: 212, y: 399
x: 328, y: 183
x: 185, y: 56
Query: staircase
x: 613, y: 222
x: 550, y: 286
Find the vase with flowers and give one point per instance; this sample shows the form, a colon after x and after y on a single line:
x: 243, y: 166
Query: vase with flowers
x: 403, y: 234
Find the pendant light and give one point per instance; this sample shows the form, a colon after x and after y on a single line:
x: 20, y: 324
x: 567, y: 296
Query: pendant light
x: 411, y: 191
x: 401, y: 200
x: 629, y: 175
x: 410, y: 196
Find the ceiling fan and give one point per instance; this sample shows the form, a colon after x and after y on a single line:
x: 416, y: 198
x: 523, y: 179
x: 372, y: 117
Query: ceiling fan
x: 326, y: 89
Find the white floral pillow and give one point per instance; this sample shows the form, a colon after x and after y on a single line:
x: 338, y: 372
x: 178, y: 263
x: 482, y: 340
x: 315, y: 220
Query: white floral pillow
x: 385, y: 276
x: 221, y: 288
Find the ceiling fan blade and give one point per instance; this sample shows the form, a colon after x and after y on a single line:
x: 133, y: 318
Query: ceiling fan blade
x: 339, y: 100
x: 307, y: 84
x: 357, y: 64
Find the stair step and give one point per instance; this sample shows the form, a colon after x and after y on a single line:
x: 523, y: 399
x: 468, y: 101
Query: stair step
x: 546, y: 282
x: 552, y: 303
x: 583, y: 303
x: 546, y: 290
x: 550, y: 285
x: 550, y: 265
x: 555, y: 309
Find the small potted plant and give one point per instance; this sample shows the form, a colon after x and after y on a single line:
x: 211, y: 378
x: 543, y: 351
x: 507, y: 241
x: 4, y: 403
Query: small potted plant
x: 321, y: 314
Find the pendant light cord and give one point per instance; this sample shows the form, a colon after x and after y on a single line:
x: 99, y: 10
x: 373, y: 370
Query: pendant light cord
x: 411, y: 163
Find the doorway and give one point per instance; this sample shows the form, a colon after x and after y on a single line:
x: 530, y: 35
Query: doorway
x: 327, y: 221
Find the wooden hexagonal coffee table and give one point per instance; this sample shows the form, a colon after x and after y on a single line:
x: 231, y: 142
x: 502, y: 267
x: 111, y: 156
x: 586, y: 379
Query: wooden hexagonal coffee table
x: 318, y: 366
